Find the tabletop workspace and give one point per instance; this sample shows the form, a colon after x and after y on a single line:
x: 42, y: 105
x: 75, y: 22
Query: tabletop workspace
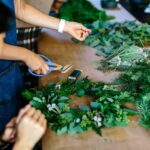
x: 60, y: 49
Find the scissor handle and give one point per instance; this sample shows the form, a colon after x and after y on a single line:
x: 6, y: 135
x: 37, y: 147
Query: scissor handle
x: 50, y: 64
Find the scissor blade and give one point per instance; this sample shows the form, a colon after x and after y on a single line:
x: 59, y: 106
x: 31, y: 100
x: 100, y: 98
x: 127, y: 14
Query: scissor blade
x: 66, y: 68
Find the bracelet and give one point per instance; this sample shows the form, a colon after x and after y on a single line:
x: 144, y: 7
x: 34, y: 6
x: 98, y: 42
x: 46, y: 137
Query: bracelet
x: 61, y: 26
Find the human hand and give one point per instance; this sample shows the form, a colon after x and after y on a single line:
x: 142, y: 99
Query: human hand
x: 77, y: 30
x: 9, y: 134
x: 36, y: 63
x: 30, y: 129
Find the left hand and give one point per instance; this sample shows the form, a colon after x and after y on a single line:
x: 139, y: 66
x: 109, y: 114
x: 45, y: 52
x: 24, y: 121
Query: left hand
x: 10, y: 131
x: 30, y: 129
x: 77, y: 30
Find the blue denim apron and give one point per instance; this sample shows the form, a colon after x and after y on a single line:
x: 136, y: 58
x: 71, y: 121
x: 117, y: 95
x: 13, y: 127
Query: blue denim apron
x: 11, y: 82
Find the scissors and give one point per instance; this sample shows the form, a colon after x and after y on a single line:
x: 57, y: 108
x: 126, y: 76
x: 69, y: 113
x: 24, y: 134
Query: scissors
x: 52, y: 66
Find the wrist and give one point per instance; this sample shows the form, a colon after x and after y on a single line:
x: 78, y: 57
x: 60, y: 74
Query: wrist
x: 22, y: 145
x: 27, y: 53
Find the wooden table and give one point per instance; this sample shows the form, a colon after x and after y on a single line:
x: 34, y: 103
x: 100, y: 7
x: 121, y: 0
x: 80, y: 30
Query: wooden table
x: 61, y: 50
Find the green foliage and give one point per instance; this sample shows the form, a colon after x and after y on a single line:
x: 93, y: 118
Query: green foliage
x: 126, y: 57
x: 106, y: 110
x: 136, y: 81
x: 87, y: 14
x: 108, y: 37
x: 143, y: 106
x: 28, y: 94
x: 80, y: 92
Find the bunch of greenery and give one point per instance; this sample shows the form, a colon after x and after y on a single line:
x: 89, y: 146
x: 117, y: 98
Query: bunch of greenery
x: 107, y: 37
x: 136, y: 81
x: 125, y: 57
x: 143, y: 106
x: 81, y: 11
x: 106, y: 109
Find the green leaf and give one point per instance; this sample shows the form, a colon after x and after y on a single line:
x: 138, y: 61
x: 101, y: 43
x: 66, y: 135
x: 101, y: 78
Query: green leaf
x: 121, y: 123
x: 131, y: 112
x: 95, y: 105
x: 54, y: 99
x: 37, y: 99
x: 63, y: 99
x: 80, y: 93
x: 67, y: 116
x: 74, y: 130
x: 28, y: 95
x: 61, y: 105
x: 109, y: 121
x: 62, y: 130
x: 96, y: 24
x: 36, y: 104
x: 84, y: 108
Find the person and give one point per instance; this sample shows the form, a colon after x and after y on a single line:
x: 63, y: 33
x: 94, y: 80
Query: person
x: 11, y: 81
x: 19, y: 129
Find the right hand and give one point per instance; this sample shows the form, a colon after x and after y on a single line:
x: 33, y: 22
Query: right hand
x: 31, y: 128
x: 36, y: 63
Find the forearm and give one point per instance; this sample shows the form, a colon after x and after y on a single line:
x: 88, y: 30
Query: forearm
x: 33, y: 16
x: 9, y: 52
x: 21, y: 146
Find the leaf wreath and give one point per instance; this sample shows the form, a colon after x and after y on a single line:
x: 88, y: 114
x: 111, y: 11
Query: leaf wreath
x: 106, y: 109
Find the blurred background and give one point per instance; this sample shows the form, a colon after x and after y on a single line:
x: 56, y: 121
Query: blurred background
x: 138, y: 8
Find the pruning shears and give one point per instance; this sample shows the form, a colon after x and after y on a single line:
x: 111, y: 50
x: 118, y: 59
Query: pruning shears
x: 52, y: 67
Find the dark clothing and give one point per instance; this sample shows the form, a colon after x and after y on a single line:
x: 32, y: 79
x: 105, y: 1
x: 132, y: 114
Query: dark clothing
x: 11, y: 81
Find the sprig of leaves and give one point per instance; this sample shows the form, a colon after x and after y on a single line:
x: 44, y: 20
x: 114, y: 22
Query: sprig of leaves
x: 143, y: 106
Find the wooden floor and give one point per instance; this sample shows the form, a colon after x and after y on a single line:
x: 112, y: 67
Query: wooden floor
x: 61, y: 50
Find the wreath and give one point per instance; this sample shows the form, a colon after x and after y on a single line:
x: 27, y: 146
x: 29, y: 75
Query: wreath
x: 105, y: 110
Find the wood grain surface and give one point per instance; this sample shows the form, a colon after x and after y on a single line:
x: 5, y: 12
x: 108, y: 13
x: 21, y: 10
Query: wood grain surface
x: 60, y: 50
